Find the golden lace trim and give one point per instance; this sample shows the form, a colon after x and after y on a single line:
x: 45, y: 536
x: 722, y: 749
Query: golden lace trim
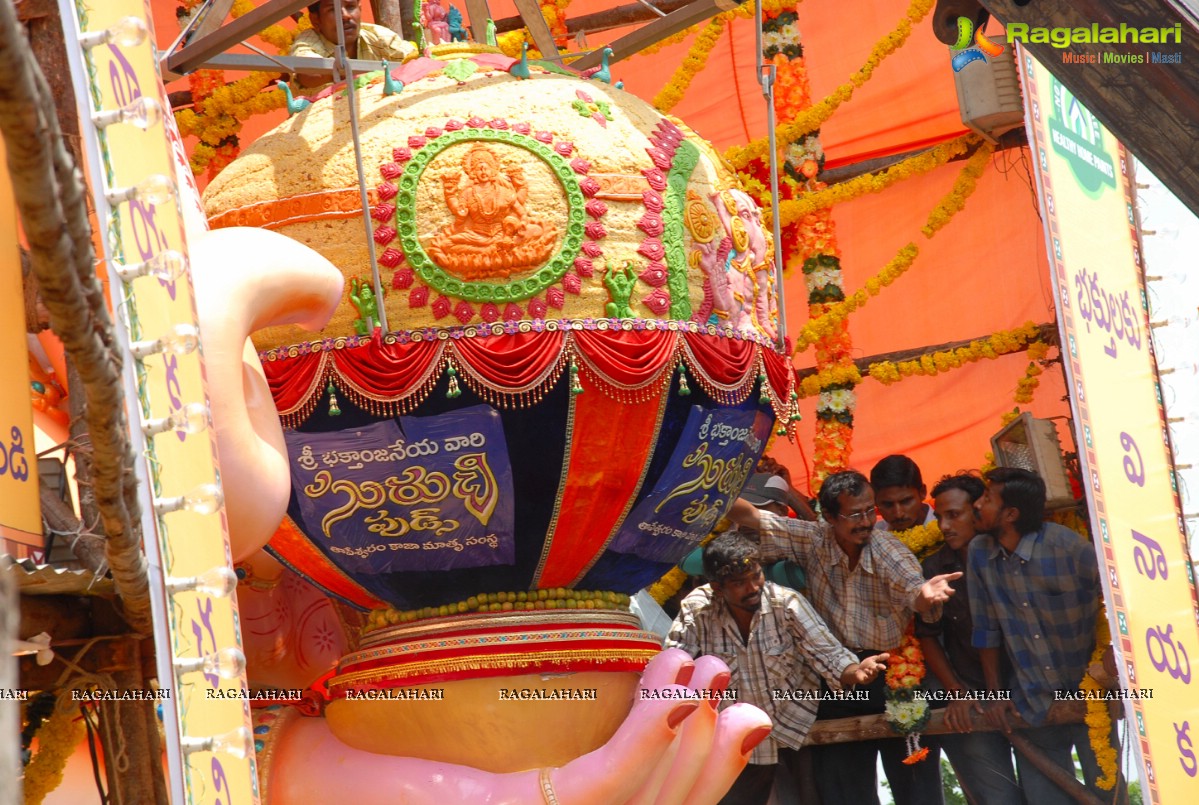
x: 524, y: 396
x: 293, y: 417
x: 491, y: 620
x: 266, y: 755
x: 533, y: 641
x: 516, y: 661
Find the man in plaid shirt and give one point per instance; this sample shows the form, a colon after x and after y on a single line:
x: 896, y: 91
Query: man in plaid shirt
x: 776, y: 647
x: 1034, y: 592
x: 865, y: 584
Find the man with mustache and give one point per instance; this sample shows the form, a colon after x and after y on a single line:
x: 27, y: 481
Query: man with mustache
x: 363, y: 39
x: 777, y: 649
x: 866, y: 585
x: 982, y: 760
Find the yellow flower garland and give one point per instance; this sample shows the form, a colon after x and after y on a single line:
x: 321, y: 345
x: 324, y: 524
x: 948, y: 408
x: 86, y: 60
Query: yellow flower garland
x: 949, y: 206
x: 221, y: 114
x: 1000, y: 343
x: 695, y: 61
x: 792, y: 211
x: 56, y: 741
x: 837, y: 375
x: 665, y: 588
x: 815, y: 116
x: 1098, y: 719
x: 922, y: 540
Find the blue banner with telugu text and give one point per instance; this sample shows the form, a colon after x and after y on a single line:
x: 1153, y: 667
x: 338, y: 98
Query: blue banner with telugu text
x: 716, y: 453
x: 408, y: 494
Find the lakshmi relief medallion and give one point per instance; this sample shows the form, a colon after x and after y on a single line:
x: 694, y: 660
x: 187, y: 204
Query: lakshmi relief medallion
x: 489, y: 209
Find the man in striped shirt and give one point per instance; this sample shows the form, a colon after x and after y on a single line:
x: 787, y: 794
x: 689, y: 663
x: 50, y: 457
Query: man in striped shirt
x: 866, y: 585
x: 777, y: 649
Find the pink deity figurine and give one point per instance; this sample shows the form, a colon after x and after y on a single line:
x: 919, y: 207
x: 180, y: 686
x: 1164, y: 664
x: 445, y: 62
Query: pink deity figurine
x: 433, y: 18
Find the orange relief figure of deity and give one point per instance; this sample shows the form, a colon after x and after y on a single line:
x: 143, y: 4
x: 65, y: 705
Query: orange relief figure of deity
x: 492, y: 234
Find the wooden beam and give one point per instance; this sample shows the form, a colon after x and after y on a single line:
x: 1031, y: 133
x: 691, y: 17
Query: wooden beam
x: 1063, y: 779
x: 658, y: 29
x: 36, y: 9
x: 281, y: 64
x: 1045, y: 332
x: 1016, y: 138
x: 1152, y: 108
x: 543, y: 38
x: 618, y: 17
x: 213, y: 18
x: 190, y: 57
x: 865, y: 728
x: 389, y: 14
x: 477, y: 14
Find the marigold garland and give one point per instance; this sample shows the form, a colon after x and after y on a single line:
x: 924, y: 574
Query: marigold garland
x: 1098, y: 718
x: 815, y: 116
x: 991, y: 347
x: 830, y: 376
x: 56, y: 741
x: 904, y: 712
x: 668, y: 586
x: 695, y: 61
x: 922, y: 540
x: 219, y: 109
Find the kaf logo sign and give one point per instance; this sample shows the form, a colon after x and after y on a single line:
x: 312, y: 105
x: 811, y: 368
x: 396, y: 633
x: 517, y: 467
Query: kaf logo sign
x: 965, y: 53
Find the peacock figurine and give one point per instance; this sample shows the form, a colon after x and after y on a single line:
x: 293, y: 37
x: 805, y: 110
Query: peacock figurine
x: 391, y: 84
x: 601, y: 73
x: 520, y: 69
x: 294, y: 104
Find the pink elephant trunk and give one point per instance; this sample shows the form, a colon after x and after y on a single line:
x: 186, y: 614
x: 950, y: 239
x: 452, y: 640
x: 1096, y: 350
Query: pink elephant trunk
x: 246, y: 280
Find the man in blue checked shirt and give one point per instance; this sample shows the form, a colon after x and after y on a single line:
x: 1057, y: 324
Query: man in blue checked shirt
x: 1034, y: 593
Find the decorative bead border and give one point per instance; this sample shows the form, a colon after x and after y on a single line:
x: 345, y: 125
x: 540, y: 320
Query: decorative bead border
x: 484, y: 330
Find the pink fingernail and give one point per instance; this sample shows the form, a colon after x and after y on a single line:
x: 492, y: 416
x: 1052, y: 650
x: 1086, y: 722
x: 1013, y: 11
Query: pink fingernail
x: 755, y: 737
x: 679, y: 713
x: 719, y: 683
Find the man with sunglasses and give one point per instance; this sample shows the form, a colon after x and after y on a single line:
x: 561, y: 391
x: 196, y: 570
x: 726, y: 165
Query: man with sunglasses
x: 866, y: 585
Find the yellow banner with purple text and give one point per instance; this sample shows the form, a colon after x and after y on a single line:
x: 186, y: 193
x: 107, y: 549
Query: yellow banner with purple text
x: 211, y: 754
x: 1084, y: 183
x: 21, y: 514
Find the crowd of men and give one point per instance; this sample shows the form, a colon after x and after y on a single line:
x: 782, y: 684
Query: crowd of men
x: 1007, y: 605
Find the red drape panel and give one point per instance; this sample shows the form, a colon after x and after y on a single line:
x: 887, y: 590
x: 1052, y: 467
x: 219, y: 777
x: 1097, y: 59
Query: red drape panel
x: 303, y: 557
x: 725, y: 361
x: 626, y: 357
x: 779, y: 372
x: 603, y: 428
x: 512, y: 361
x: 292, y: 379
x: 387, y: 370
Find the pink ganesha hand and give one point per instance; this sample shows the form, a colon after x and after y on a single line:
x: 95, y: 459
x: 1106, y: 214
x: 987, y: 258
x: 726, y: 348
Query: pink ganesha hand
x: 673, y: 748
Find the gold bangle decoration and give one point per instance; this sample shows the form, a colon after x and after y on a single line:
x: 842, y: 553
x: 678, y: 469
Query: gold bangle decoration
x: 268, y: 723
x: 547, y: 786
